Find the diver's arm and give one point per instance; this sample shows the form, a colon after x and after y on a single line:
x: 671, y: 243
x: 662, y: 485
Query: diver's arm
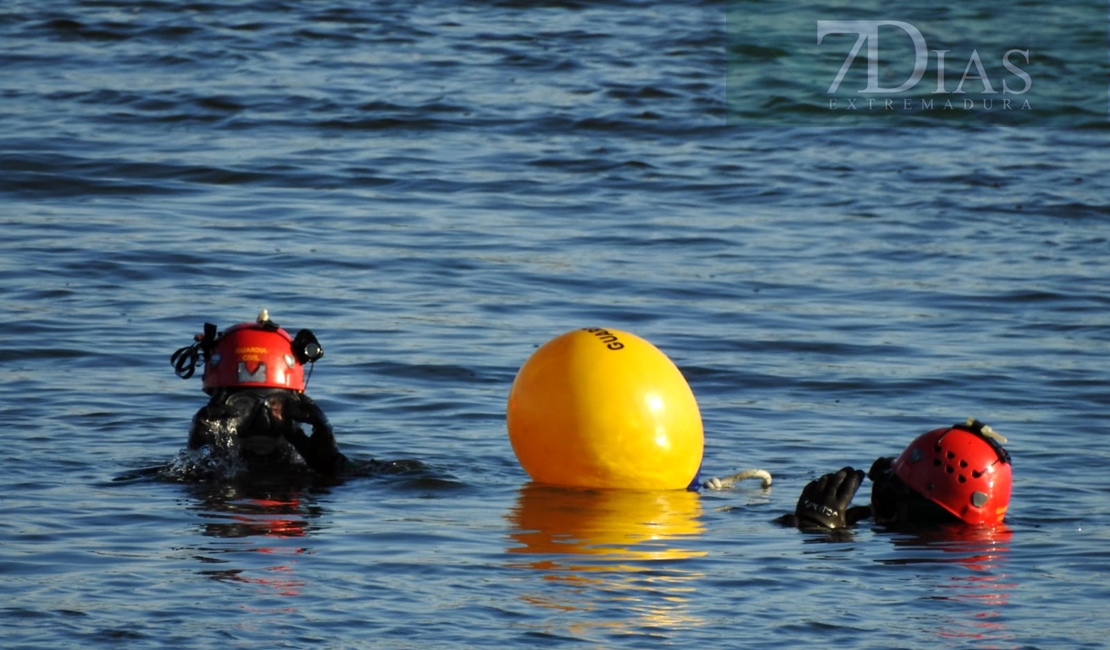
x: 204, y: 429
x: 201, y: 431
x: 319, y: 451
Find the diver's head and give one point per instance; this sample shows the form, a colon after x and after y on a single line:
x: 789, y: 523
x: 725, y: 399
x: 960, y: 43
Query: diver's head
x: 250, y: 355
x: 961, y: 470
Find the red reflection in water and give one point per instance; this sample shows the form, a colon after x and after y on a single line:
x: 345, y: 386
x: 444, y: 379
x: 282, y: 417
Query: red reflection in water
x: 983, y: 587
x: 270, y: 518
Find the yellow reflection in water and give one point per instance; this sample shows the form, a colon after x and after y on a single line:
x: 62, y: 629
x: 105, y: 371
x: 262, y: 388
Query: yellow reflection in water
x: 617, y: 561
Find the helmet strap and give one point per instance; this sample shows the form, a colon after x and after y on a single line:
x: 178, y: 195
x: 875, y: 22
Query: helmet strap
x: 185, y: 359
x: 984, y: 431
x: 308, y: 375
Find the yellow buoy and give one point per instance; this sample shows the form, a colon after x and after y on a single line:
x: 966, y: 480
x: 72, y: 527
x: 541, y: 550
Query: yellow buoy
x: 604, y: 408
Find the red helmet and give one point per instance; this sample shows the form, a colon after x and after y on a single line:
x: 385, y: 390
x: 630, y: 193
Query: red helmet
x: 962, y: 468
x: 249, y: 354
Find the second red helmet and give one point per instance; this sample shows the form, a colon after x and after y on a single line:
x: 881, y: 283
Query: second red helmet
x: 963, y: 469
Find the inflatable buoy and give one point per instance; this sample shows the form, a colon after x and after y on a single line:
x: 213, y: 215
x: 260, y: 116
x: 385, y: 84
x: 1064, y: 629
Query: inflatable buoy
x: 603, y: 408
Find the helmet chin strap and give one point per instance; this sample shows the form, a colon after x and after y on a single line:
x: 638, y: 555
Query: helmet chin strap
x: 308, y: 375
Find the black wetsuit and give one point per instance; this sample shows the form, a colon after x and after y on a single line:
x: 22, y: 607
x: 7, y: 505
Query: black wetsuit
x: 264, y: 424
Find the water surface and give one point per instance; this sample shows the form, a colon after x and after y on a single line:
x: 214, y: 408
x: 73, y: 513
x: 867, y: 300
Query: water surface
x: 436, y: 190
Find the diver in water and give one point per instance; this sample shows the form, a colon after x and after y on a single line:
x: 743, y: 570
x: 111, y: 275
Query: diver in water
x: 255, y: 376
x: 949, y: 475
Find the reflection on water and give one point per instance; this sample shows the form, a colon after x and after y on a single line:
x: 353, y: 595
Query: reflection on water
x: 615, y: 561
x: 262, y: 530
x: 978, y: 593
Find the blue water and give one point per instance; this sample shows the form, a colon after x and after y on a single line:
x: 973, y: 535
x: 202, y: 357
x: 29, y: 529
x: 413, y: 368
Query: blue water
x: 436, y: 189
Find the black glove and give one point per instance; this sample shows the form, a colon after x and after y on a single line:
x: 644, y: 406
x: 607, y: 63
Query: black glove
x: 303, y: 409
x: 880, y: 466
x: 319, y: 451
x: 824, y: 502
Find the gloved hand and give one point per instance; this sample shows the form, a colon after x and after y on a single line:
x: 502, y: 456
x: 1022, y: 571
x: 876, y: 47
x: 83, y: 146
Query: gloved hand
x: 303, y: 409
x: 880, y: 466
x: 319, y: 450
x: 824, y: 502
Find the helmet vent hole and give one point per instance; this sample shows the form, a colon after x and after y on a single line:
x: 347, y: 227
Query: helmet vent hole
x: 936, y: 462
x: 949, y: 469
x: 962, y: 478
x: 950, y: 455
x: 963, y: 464
x: 976, y: 474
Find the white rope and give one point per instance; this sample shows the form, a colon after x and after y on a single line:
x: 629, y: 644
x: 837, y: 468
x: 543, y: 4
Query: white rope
x: 729, y: 481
